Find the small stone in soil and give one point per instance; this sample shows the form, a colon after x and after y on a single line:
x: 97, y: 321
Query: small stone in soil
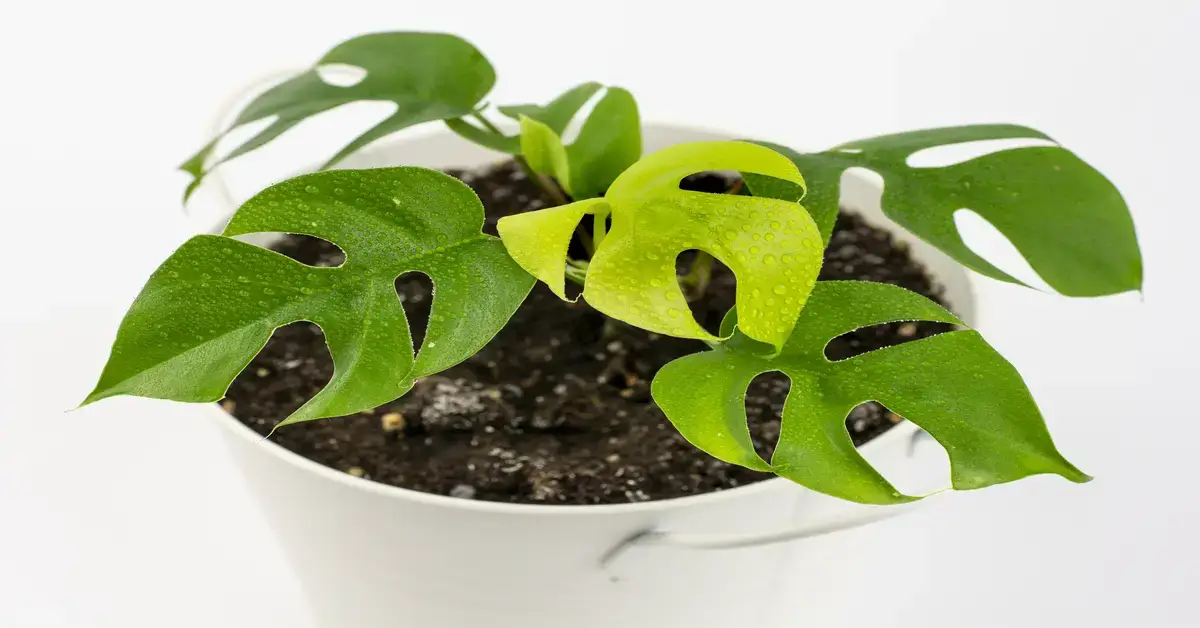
x: 463, y: 491
x: 392, y: 422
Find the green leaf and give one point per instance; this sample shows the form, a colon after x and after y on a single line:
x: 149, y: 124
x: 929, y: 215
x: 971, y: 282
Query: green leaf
x: 214, y: 303
x: 821, y: 200
x: 1066, y: 219
x: 772, y: 246
x: 485, y: 137
x: 556, y: 115
x: 560, y: 111
x: 954, y: 385
x: 429, y: 76
x: 609, y: 142
x: 544, y: 151
x: 538, y: 240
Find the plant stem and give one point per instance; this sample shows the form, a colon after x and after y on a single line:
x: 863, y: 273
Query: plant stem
x: 545, y: 183
x: 487, y: 124
x: 576, y: 274
x: 599, y: 227
x: 699, y: 274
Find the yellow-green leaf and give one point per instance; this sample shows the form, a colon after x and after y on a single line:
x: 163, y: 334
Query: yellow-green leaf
x: 538, y: 240
x: 772, y: 246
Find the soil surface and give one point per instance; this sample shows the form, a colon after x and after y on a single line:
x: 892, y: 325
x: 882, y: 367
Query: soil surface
x: 556, y: 409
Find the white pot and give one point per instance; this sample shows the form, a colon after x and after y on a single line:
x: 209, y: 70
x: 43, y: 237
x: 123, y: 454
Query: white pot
x: 375, y: 555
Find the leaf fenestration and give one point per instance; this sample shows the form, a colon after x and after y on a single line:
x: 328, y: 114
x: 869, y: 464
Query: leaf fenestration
x: 1067, y: 220
x: 953, y: 385
x: 772, y: 246
x: 429, y: 76
x: 213, y: 304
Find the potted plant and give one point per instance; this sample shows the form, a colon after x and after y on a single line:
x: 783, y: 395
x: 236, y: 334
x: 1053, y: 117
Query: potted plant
x: 672, y: 282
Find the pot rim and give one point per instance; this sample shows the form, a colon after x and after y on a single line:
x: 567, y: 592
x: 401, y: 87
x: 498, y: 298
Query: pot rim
x: 901, y: 431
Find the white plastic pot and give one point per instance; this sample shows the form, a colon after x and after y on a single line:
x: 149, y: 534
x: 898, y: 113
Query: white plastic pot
x: 374, y: 555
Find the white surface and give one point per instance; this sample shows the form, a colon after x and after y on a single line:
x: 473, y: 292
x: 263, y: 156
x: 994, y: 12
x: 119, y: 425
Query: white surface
x: 129, y: 514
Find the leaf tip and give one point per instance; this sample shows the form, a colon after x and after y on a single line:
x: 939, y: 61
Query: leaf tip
x: 1073, y: 474
x: 191, y: 187
x: 97, y: 394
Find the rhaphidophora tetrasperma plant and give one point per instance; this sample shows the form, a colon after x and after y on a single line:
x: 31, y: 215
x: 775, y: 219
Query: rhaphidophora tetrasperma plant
x: 213, y: 304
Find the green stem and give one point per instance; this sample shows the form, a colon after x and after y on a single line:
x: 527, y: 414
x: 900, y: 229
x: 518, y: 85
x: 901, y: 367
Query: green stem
x: 487, y: 124
x: 576, y: 274
x: 699, y: 274
x: 599, y: 227
x: 544, y: 182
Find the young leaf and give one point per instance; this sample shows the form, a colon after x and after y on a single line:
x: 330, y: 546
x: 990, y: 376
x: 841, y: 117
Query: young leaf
x: 544, y: 151
x: 538, y: 240
x: 556, y: 115
x: 772, y: 246
x: 609, y: 141
x: 214, y: 303
x: 429, y: 76
x: 1065, y: 218
x: 560, y: 111
x: 954, y: 385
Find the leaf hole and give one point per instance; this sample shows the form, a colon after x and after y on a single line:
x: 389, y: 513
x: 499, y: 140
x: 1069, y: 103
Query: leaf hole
x: 764, y: 409
x: 291, y: 368
x: 922, y: 468
x: 341, y: 74
x: 415, y: 291
x: 709, y: 299
x: 306, y: 249
x: 873, y: 337
x: 712, y: 182
x: 988, y: 242
x: 868, y: 420
x: 951, y: 154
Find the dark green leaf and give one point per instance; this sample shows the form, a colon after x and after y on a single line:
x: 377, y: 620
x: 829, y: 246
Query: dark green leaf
x: 1065, y: 218
x: 954, y: 385
x: 214, y: 303
x: 429, y: 76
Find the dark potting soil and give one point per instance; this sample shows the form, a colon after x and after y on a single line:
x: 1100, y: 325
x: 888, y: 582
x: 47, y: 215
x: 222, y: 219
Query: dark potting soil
x: 556, y: 409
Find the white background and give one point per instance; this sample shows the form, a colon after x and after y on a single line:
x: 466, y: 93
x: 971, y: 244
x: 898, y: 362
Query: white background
x: 128, y: 514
